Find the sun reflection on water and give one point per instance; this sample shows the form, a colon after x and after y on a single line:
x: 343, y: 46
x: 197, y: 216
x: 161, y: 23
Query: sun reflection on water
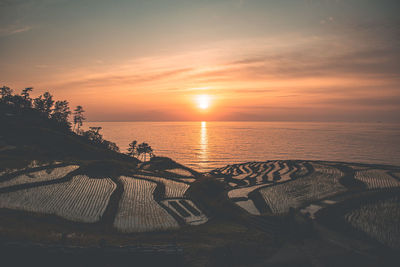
x: 203, y: 155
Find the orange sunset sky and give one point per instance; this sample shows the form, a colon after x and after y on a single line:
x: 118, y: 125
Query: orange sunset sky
x: 327, y: 60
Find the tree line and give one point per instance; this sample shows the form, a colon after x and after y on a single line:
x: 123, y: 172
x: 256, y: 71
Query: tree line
x: 45, y: 105
x: 58, y: 113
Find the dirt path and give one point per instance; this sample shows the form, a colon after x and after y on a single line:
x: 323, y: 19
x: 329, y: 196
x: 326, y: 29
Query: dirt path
x: 107, y: 219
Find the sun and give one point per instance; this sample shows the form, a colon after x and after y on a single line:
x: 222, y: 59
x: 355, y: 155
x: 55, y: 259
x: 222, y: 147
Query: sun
x: 203, y: 101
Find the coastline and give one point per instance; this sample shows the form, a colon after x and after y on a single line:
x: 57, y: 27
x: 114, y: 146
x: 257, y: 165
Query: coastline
x: 215, y: 144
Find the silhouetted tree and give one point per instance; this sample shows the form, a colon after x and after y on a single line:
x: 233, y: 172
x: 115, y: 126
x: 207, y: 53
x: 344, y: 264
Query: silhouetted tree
x: 94, y: 135
x: 38, y: 103
x: 18, y: 102
x: 78, y: 117
x: 61, y: 112
x: 132, y: 149
x: 96, y: 129
x: 48, y: 102
x: 110, y: 145
x: 25, y: 93
x: 27, y: 99
x: 50, y: 113
x: 5, y: 93
x: 44, y: 103
x: 144, y: 149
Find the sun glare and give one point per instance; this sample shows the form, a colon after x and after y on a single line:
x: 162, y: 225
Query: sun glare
x: 203, y: 101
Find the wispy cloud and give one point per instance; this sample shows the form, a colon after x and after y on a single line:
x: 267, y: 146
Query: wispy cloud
x: 270, y: 71
x: 298, y: 79
x: 14, y: 29
x: 27, y: 3
x: 116, y: 80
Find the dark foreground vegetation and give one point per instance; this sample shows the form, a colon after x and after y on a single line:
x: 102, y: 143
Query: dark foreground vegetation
x: 39, y: 129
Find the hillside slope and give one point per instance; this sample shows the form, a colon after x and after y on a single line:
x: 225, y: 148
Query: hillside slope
x: 28, y: 136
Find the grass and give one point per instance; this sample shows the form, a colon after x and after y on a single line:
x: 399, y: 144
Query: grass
x: 374, y: 179
x: 379, y: 220
x: 36, y: 138
x: 333, y: 216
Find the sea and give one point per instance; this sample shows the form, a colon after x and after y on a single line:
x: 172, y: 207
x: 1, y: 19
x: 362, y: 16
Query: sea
x: 208, y: 145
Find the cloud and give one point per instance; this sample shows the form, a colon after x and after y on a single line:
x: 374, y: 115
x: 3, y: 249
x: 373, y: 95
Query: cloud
x: 27, y: 3
x: 372, y: 101
x: 14, y: 29
x: 323, y: 76
x: 301, y: 64
x: 252, y: 91
x: 104, y: 80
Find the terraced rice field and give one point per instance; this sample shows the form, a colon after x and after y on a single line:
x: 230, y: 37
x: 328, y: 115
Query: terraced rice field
x: 243, y: 191
x: 36, y: 163
x: 396, y: 175
x: 258, y: 171
x: 249, y: 174
x: 376, y: 179
x: 187, y: 180
x: 249, y: 206
x: 276, y: 184
x: 324, y: 182
x: 32, y: 164
x: 258, y: 175
x: 358, y: 167
x: 39, y: 176
x: 138, y: 211
x: 301, y: 170
x: 173, y: 189
x: 174, y: 200
x: 285, y: 184
x: 269, y: 176
x: 380, y: 221
x: 187, y: 210
x: 180, y: 172
x: 7, y: 171
x: 287, y: 172
x: 81, y: 199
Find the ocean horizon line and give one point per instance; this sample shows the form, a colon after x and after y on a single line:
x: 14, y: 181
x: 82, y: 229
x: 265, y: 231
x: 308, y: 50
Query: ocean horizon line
x: 294, y: 121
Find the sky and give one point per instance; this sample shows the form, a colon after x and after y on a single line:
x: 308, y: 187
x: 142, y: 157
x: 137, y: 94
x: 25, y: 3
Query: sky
x: 283, y: 60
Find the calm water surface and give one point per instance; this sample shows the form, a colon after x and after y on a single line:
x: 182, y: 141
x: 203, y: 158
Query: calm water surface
x: 207, y: 145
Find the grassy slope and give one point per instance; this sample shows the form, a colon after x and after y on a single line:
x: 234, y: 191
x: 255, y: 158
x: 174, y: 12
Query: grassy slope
x: 35, y: 138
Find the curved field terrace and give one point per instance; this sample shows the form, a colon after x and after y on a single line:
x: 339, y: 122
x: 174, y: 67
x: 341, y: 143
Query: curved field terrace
x: 268, y: 198
x: 142, y: 202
